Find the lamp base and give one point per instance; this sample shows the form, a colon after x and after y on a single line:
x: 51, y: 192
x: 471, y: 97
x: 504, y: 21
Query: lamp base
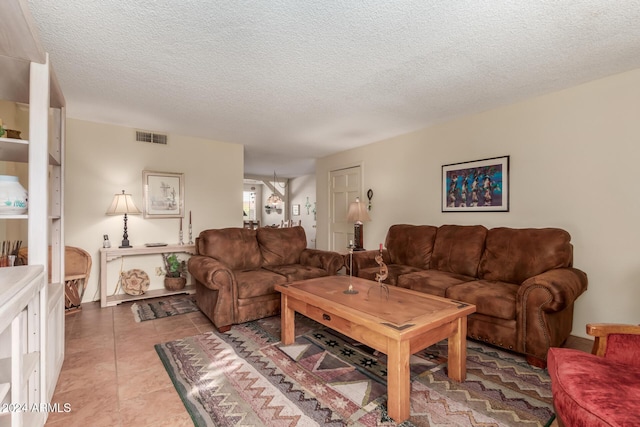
x: 125, y: 235
x: 358, y: 236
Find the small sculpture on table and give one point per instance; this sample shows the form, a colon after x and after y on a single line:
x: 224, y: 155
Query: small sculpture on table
x: 350, y: 290
x: 382, y: 275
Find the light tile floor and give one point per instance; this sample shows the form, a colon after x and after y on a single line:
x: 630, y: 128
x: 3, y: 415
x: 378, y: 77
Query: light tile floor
x: 112, y: 376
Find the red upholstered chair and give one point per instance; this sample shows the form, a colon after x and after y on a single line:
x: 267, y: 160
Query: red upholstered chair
x: 599, y: 389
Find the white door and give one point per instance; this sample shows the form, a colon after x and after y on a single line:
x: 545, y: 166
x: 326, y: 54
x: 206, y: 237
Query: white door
x: 344, y: 187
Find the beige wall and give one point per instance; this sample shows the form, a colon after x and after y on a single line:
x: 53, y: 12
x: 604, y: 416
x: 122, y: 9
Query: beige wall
x: 574, y: 165
x: 303, y: 188
x: 102, y: 160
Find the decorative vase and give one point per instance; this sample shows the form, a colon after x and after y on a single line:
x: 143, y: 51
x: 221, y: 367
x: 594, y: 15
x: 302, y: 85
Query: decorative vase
x: 174, y: 283
x: 13, y: 196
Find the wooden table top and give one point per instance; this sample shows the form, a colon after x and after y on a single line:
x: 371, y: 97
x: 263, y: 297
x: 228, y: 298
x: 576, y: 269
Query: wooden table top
x: 403, y: 309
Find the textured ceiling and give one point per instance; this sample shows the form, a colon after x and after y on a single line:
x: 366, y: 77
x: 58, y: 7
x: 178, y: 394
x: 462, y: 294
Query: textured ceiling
x: 295, y: 80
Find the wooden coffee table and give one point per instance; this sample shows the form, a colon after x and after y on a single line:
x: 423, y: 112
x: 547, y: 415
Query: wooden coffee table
x: 400, y: 325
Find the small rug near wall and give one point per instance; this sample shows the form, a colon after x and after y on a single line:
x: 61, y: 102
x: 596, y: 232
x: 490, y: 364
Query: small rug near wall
x: 159, y: 308
x: 245, y: 377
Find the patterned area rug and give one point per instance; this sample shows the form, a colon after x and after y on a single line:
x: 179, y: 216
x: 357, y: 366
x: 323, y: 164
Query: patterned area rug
x: 246, y: 377
x: 159, y: 308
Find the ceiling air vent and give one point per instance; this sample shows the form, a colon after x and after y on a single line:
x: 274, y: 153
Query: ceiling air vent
x: 154, y: 138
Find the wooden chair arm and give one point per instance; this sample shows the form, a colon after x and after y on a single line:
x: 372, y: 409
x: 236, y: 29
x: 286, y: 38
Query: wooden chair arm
x: 601, y: 330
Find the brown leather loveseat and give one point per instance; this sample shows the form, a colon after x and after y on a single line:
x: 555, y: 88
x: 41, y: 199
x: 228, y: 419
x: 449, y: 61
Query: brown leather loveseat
x: 235, y: 270
x: 522, y: 281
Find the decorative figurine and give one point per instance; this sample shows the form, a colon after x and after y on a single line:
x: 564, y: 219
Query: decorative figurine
x: 382, y: 275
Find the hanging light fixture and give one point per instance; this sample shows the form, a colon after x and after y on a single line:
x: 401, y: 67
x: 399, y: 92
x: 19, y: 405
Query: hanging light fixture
x: 273, y: 200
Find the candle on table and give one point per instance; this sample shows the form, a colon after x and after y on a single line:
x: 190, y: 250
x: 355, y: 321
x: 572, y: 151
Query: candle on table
x: 180, y: 224
x: 380, y: 247
x: 189, y: 217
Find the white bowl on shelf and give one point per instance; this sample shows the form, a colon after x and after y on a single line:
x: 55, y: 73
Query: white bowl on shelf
x: 13, y: 196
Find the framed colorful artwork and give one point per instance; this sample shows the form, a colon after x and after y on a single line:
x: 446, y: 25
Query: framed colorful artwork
x: 476, y: 186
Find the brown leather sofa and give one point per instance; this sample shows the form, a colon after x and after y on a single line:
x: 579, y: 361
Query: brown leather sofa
x: 522, y: 281
x: 235, y: 270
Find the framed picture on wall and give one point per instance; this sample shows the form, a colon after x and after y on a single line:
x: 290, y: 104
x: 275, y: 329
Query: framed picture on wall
x: 163, y: 194
x: 476, y: 186
x: 295, y: 210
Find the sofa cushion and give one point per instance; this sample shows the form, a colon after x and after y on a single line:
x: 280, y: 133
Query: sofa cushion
x: 623, y: 348
x: 410, y: 245
x: 458, y: 249
x: 295, y: 272
x: 255, y: 283
x: 281, y: 246
x: 497, y: 299
x: 432, y: 282
x: 237, y: 248
x: 514, y: 255
x: 592, y: 391
x: 395, y: 271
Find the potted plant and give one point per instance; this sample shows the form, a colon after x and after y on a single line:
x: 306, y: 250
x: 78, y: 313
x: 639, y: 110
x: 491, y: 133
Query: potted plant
x: 175, y: 272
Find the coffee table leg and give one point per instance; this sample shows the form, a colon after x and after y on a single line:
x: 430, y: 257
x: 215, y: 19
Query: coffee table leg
x: 458, y: 351
x: 398, y: 381
x: 287, y: 326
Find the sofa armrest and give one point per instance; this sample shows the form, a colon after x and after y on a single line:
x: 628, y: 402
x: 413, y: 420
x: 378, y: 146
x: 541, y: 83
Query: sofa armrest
x: 544, y: 307
x: 216, y: 276
x: 562, y: 287
x: 365, y: 259
x: 329, y: 261
x: 210, y: 272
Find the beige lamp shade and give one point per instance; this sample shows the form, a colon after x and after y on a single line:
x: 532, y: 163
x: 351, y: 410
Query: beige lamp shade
x: 123, y: 204
x: 358, y: 212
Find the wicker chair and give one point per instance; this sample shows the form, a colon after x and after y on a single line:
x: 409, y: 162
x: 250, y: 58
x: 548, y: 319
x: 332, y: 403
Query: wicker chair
x: 77, y: 266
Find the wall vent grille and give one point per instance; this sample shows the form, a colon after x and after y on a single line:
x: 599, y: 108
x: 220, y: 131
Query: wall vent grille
x: 151, y: 137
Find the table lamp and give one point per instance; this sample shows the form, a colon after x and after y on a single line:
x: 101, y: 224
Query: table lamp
x: 123, y: 204
x: 358, y: 213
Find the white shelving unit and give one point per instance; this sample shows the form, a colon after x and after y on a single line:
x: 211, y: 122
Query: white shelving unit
x: 23, y: 297
x: 32, y: 338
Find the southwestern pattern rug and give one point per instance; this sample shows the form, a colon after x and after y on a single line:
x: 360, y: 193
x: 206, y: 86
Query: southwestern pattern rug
x: 246, y: 377
x: 166, y: 307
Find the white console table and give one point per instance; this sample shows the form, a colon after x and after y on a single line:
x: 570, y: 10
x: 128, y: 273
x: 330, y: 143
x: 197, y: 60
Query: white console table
x: 109, y: 254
